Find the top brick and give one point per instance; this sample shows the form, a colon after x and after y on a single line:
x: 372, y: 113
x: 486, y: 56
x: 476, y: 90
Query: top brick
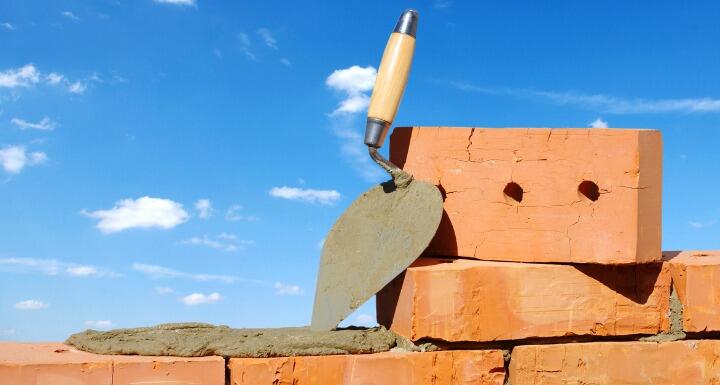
x: 541, y: 195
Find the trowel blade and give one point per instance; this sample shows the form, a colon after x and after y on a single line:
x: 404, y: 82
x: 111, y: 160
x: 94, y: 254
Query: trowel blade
x: 375, y: 240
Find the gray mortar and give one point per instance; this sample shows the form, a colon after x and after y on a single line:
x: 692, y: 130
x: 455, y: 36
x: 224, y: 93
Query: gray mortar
x: 675, y: 315
x: 198, y: 339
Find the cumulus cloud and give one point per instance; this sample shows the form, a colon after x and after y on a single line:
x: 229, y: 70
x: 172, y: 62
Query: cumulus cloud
x: 45, y: 124
x: 99, y: 324
x: 305, y: 195
x: 267, y: 38
x: 598, y: 123
x: 54, y: 78
x: 286, y: 289
x: 15, y: 158
x: 30, y: 304
x: 204, y: 208
x: 354, y: 82
x: 24, y: 76
x: 159, y: 272
x: 77, y: 87
x: 200, y: 298
x: 52, y: 267
x: 223, y: 241
x: 145, y: 212
x: 191, y: 3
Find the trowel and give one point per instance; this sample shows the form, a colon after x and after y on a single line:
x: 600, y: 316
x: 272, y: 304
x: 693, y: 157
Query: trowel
x: 390, y: 225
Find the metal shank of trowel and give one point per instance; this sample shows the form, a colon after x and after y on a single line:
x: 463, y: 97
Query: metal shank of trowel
x: 390, y: 85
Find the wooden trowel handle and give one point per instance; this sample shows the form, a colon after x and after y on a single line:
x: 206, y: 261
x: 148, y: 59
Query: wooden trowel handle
x: 391, y: 79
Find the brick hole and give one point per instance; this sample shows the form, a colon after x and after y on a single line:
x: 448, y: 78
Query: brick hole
x: 513, y: 191
x: 589, y: 190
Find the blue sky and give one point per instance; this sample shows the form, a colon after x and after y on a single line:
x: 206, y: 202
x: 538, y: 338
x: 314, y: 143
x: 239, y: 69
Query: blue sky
x: 165, y: 161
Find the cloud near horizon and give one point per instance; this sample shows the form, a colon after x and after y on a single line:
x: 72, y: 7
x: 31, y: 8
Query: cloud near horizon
x: 603, y: 103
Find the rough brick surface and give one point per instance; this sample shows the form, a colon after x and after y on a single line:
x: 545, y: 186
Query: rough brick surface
x: 59, y: 364
x: 470, y: 300
x: 696, y: 277
x: 476, y: 367
x: 554, y: 221
x: 51, y: 363
x: 615, y: 363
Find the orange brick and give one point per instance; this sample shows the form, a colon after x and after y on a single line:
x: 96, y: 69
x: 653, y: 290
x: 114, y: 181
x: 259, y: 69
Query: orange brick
x: 696, y: 277
x: 476, y: 367
x: 470, y: 300
x: 59, y: 364
x: 614, y: 363
x: 145, y: 370
x: 554, y: 221
x: 51, y: 363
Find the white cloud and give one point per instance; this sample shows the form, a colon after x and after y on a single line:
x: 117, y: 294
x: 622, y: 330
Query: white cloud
x: 30, y: 304
x: 233, y: 214
x: 83, y: 271
x: 178, y: 2
x: 441, y: 4
x: 45, y: 124
x: 24, y: 76
x: 320, y: 243
x: 163, y: 290
x: 702, y: 225
x: 286, y: 62
x: 232, y: 242
x: 598, y: 123
x: 99, y: 324
x: 245, y: 46
x: 145, y: 212
x: 365, y: 320
x: 305, y: 195
x: 354, y: 82
x: 54, y: 78
x: 158, y: 272
x: 15, y: 158
x: 200, y: 298
x: 267, y: 38
x: 605, y: 103
x: 8, y: 26
x: 77, y: 87
x: 285, y: 289
x: 52, y: 267
x: 204, y: 208
x: 70, y: 15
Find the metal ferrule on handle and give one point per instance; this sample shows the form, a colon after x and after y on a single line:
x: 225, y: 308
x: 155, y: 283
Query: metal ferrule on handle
x: 391, y: 79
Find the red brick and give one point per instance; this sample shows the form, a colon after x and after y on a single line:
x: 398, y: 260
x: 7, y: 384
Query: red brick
x: 616, y: 363
x: 553, y: 222
x: 476, y: 367
x: 470, y: 300
x: 696, y: 277
x: 59, y: 364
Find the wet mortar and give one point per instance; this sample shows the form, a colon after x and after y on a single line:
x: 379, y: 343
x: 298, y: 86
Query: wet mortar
x: 199, y: 339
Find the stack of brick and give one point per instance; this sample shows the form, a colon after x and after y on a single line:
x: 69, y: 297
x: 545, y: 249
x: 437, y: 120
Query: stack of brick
x: 550, y: 245
x: 546, y: 269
